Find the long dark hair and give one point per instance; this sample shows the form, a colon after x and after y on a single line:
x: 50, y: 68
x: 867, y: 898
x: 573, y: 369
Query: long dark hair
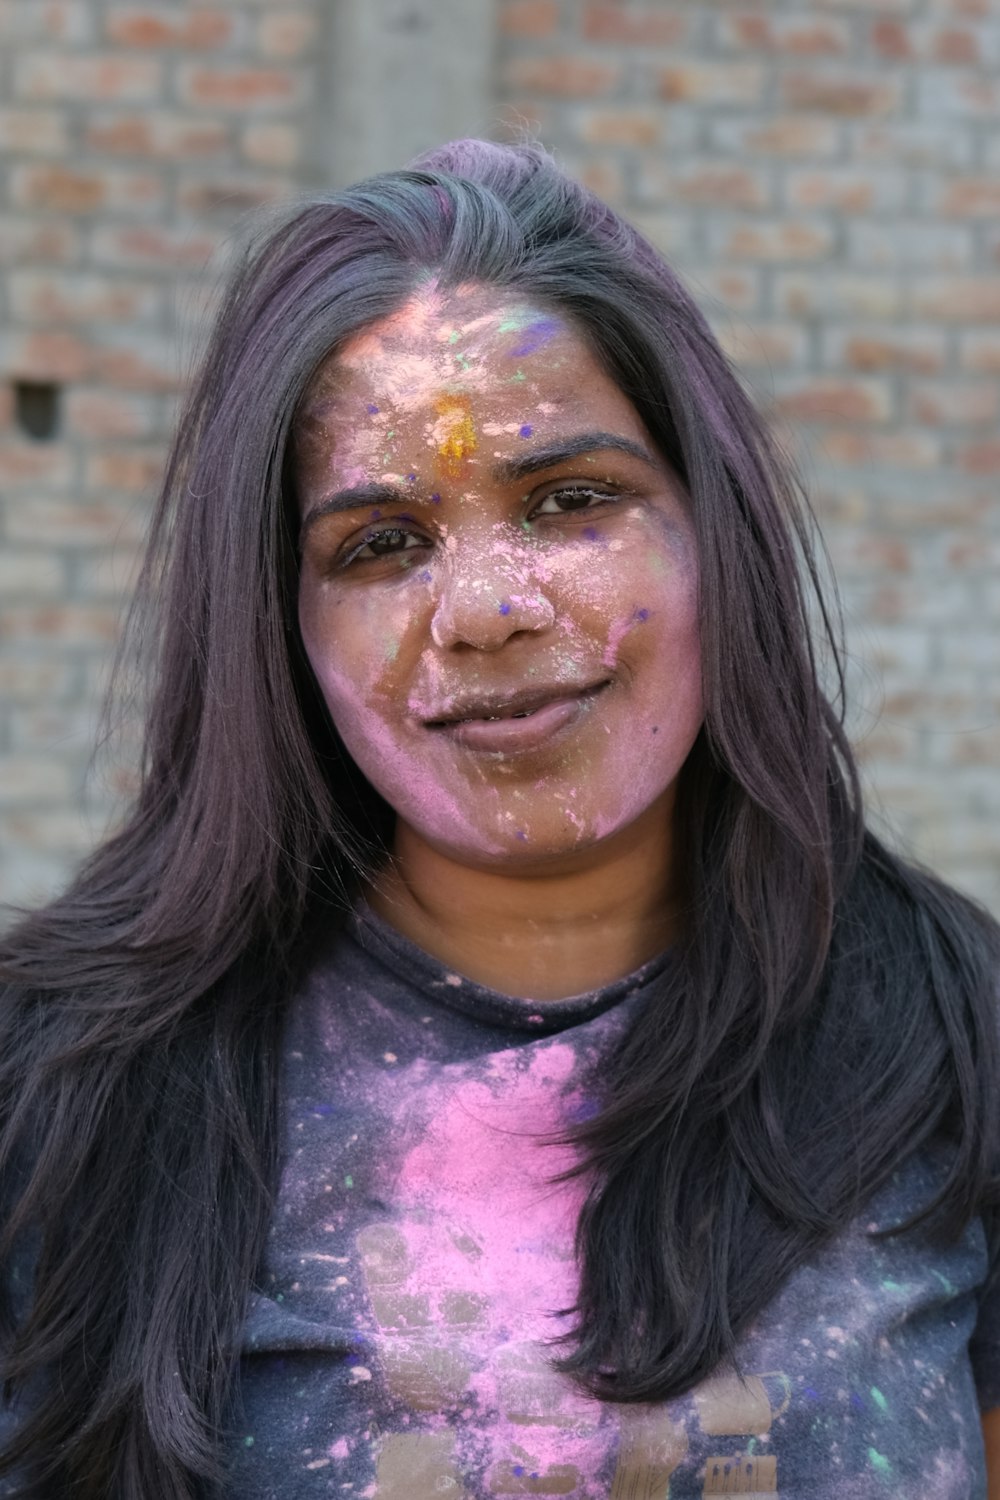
x: 831, y: 1007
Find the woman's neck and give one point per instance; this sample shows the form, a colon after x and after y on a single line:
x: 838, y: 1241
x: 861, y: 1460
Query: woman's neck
x: 545, y: 933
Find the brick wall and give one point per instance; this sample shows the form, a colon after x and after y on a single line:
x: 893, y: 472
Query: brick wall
x: 826, y: 176
x: 131, y: 140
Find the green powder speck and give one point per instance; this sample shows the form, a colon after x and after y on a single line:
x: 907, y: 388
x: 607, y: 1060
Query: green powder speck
x: 248, y: 1442
x: 879, y: 1462
x: 879, y: 1399
x: 348, y: 1181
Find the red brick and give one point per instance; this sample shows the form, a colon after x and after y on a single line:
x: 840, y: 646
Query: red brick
x: 149, y: 364
x: 74, y: 523
x: 133, y: 471
x: 841, y: 93
x: 804, y: 294
x: 49, y: 356
x: 721, y: 83
x: 953, y: 403
x: 109, y: 574
x: 980, y: 352
x: 636, y: 27
x: 821, y: 400
x: 532, y: 18
x: 519, y: 119
x: 49, y: 831
x: 602, y: 177
x: 286, y: 35
x: 918, y: 243
x: 110, y: 78
x: 895, y: 349
x: 808, y: 136
x: 31, y: 575
x: 980, y: 747
x: 239, y: 88
x: 66, y: 21
x: 846, y: 191
x: 931, y: 142
x: 769, y: 240
x: 156, y: 134
x: 57, y: 189
x: 795, y: 36
x: 24, y: 240
x: 725, y: 183
x: 24, y: 778
x: 146, y: 29
x: 53, y: 297
x: 981, y: 458
x: 563, y: 77
x: 970, y: 9
x: 272, y: 145
x: 959, y: 95
x: 762, y: 345
x: 229, y: 195
x: 33, y: 132
x: 893, y: 39
x: 26, y: 681
x: 24, y: 463
x: 892, y: 450
x: 970, y: 198
x: 621, y: 127
x: 957, y: 299
x: 152, y: 246
x: 74, y: 626
x: 736, y: 290
x: 98, y: 415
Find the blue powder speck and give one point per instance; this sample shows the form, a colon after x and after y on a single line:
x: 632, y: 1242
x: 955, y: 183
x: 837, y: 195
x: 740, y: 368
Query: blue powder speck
x: 526, y: 430
x: 505, y: 608
x: 436, y: 499
x: 411, y: 478
x: 425, y: 576
x: 642, y: 614
x: 372, y: 410
x: 592, y: 534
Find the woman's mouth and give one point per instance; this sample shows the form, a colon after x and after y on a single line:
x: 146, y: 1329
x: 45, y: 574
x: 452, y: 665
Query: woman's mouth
x: 524, y: 721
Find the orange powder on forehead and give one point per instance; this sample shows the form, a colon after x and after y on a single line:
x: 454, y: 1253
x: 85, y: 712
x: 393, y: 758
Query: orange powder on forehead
x: 456, y: 431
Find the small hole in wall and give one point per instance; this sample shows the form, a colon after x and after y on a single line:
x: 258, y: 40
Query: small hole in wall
x: 36, y: 407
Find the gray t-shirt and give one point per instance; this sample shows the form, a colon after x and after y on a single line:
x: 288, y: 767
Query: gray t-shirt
x: 421, y: 1260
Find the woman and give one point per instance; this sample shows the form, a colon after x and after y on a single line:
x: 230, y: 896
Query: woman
x: 498, y: 882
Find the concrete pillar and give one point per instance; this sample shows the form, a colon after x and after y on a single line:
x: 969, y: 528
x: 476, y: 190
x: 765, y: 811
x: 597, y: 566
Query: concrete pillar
x: 401, y: 76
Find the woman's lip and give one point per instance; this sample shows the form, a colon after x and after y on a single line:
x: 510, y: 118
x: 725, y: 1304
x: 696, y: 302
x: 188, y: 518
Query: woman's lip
x: 526, y: 732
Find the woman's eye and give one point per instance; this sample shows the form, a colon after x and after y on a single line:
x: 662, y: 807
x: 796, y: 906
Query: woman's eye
x: 388, y: 541
x: 563, y: 502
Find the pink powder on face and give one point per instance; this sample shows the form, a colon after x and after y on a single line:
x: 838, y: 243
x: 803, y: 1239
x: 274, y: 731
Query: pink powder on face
x: 502, y: 596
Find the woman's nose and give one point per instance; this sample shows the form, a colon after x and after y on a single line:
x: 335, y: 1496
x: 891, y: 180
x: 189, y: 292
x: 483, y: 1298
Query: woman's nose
x: 482, y: 601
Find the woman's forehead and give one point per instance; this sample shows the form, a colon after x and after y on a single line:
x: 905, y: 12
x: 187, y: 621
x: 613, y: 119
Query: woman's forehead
x: 468, y: 341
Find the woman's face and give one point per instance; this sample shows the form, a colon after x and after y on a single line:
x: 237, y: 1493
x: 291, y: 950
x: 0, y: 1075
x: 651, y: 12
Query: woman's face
x: 499, y: 581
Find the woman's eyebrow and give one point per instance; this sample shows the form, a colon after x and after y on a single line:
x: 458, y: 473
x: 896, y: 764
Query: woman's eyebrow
x: 506, y: 471
x: 358, y: 497
x: 509, y: 470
